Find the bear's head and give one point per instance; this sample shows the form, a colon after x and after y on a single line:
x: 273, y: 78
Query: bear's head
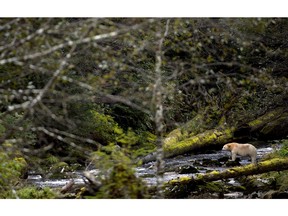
x: 227, y: 147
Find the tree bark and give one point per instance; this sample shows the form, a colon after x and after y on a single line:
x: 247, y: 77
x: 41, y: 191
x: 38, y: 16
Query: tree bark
x: 172, y: 146
x: 207, y: 138
x: 276, y: 164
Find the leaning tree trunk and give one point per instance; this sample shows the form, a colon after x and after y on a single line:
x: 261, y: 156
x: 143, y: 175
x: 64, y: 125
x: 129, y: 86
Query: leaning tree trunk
x: 189, y: 183
x: 207, y: 138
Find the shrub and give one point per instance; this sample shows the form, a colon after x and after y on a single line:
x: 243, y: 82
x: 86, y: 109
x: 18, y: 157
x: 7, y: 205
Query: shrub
x: 283, y: 152
x: 11, y: 171
x: 36, y: 193
x: 117, y: 175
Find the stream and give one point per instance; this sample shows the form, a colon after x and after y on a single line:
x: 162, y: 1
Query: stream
x: 174, y: 168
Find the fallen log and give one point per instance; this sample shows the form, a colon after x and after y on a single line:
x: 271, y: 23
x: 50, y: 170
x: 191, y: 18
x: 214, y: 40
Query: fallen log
x: 67, y: 187
x: 173, y: 147
x: 207, y: 138
x: 189, y: 183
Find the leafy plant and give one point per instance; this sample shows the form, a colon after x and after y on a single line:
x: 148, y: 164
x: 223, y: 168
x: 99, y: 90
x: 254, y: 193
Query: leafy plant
x: 117, y: 175
x: 36, y: 193
x: 283, y: 152
x: 11, y: 170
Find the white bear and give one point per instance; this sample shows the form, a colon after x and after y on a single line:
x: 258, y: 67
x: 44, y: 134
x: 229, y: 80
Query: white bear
x: 242, y: 150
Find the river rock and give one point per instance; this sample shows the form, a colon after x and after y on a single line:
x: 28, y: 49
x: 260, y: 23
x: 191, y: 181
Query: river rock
x: 187, y: 169
x: 230, y: 163
x: 211, y: 163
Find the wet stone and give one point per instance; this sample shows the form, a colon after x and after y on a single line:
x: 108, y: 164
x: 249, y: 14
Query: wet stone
x: 233, y: 163
x: 187, y: 169
x: 223, y: 159
x: 211, y: 163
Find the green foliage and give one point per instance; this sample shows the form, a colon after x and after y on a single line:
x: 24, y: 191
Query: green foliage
x: 283, y: 152
x: 130, y: 118
x: 117, y: 174
x: 11, y: 169
x: 107, y: 131
x: 145, y: 145
x: 104, y: 127
x: 214, y: 71
x: 22, y: 131
x: 277, y: 180
x: 51, y: 159
x: 36, y: 193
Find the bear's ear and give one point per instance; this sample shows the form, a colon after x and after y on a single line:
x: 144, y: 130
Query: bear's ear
x: 229, y: 146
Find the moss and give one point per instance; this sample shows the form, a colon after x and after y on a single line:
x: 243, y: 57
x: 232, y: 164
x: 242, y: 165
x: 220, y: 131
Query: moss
x: 190, y: 129
x: 173, y: 137
x: 178, y: 188
x: 211, y: 137
x: 36, y: 193
x: 22, y: 166
x: 274, y: 160
x: 122, y: 183
x: 57, y: 170
x: 264, y: 118
x: 181, y: 180
x: 214, y: 172
x: 211, y: 187
x: 236, y: 188
x: 12, y: 169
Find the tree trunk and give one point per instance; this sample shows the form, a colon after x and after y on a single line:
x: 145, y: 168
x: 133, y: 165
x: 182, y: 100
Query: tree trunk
x: 276, y: 164
x: 207, y: 138
x: 173, y: 147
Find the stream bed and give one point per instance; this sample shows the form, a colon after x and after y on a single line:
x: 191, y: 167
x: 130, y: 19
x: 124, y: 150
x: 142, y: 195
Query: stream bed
x: 175, y: 167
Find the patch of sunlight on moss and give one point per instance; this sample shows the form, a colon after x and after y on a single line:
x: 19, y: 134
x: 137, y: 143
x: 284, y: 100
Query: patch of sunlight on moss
x: 181, y: 179
x: 214, y: 172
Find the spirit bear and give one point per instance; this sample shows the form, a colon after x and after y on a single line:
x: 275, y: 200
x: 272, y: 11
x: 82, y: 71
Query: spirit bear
x: 242, y: 150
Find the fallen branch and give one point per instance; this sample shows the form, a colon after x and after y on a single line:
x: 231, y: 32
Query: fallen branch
x: 188, y: 183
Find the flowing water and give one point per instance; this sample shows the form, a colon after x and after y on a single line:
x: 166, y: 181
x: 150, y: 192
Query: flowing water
x: 148, y: 172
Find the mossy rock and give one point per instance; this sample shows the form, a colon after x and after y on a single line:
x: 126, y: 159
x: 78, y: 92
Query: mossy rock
x: 223, y: 159
x: 212, y: 187
x: 236, y: 188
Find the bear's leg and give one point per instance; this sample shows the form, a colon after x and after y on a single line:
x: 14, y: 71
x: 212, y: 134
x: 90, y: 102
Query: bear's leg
x: 233, y: 156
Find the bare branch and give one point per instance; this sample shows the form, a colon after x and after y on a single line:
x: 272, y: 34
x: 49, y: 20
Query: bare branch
x: 17, y: 60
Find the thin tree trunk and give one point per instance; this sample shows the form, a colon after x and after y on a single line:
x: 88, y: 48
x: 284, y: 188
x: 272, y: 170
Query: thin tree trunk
x: 158, y: 118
